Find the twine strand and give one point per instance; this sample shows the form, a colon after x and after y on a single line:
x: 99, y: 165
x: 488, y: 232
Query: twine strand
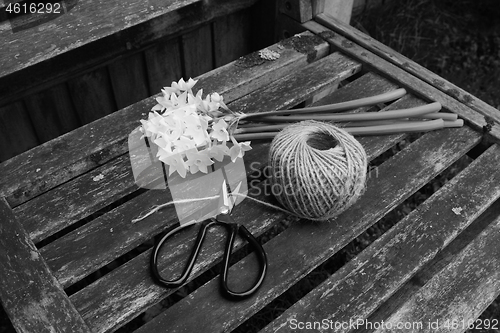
x: 322, y: 165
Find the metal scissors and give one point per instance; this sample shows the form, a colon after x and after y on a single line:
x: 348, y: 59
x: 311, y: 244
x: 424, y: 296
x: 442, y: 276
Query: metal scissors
x: 226, y: 204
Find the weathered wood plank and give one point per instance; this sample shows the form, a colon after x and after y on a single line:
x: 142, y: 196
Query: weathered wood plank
x: 93, y: 33
x: 71, y: 257
x: 16, y: 131
x: 92, y: 145
x: 461, y: 291
x: 128, y: 79
x: 30, y: 294
x: 197, y: 51
x: 232, y: 37
x: 360, y: 286
x: 299, y: 10
x: 442, y: 260
x: 92, y: 95
x: 329, y: 70
x: 52, y: 111
x: 163, y: 62
x: 303, y: 246
x: 125, y: 293
x: 407, y: 80
x: 61, y: 207
x: 408, y: 65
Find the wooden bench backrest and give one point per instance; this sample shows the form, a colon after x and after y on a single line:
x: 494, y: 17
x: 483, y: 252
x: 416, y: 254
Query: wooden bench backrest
x: 101, y: 56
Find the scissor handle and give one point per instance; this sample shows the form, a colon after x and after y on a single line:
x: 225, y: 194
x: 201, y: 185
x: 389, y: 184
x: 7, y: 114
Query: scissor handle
x: 235, y: 229
x: 192, y: 257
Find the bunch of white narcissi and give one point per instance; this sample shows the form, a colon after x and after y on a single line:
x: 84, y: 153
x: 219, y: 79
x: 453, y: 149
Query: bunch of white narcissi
x: 190, y: 131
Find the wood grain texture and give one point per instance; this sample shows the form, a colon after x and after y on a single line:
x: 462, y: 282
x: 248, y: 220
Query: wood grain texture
x: 329, y: 70
x: 72, y: 257
x: 87, y: 147
x: 95, y: 302
x: 17, y: 134
x: 52, y: 111
x: 363, y: 284
x: 92, y: 95
x: 45, y: 215
x: 436, y: 265
x: 32, y: 297
x: 197, y: 51
x: 407, y: 80
x: 93, y: 33
x: 303, y: 246
x: 163, y: 62
x: 408, y: 65
x: 124, y: 293
x: 232, y: 36
x: 299, y: 10
x: 129, y: 80
x: 459, y: 293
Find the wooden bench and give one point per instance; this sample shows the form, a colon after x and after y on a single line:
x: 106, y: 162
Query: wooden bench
x: 72, y: 261
x: 62, y: 71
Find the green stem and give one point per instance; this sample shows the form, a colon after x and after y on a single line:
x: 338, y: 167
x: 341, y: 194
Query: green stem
x: 363, y: 116
x: 382, y: 98
x: 442, y: 115
x: 394, y: 128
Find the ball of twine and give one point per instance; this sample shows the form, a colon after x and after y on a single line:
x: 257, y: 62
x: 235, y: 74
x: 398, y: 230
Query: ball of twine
x: 317, y: 170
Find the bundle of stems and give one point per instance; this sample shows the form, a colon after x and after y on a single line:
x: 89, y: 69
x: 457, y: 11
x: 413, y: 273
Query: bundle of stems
x: 418, y: 119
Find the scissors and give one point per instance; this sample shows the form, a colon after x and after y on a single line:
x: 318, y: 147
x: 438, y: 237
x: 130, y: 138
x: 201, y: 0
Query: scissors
x: 223, y: 218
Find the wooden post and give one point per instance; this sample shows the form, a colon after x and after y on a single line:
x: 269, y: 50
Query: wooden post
x: 305, y: 10
x: 291, y: 12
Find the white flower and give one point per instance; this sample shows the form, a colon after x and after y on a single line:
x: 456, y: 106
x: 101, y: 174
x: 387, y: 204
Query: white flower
x: 187, y: 126
x: 219, y: 131
x: 218, y: 151
x: 177, y: 87
x: 198, y: 160
x: 176, y: 163
x: 238, y: 149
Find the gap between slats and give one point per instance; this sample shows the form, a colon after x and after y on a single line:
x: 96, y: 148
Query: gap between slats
x: 302, y: 247
x: 124, y: 298
x: 94, y: 144
x: 379, y: 271
x: 99, y: 228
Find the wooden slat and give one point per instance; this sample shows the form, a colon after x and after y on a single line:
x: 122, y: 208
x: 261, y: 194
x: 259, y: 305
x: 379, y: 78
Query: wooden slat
x: 197, y: 51
x: 407, y: 80
x: 123, y: 292
x: 95, y: 144
x: 232, y: 37
x: 436, y: 265
x: 329, y: 70
x: 71, y: 261
x: 92, y: 95
x: 126, y: 292
x: 128, y: 79
x: 93, y: 33
x: 410, y: 66
x: 460, y: 292
x: 30, y: 294
x: 16, y: 131
x: 303, y: 246
x: 47, y: 214
x: 52, y: 111
x: 360, y: 286
x: 163, y: 62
